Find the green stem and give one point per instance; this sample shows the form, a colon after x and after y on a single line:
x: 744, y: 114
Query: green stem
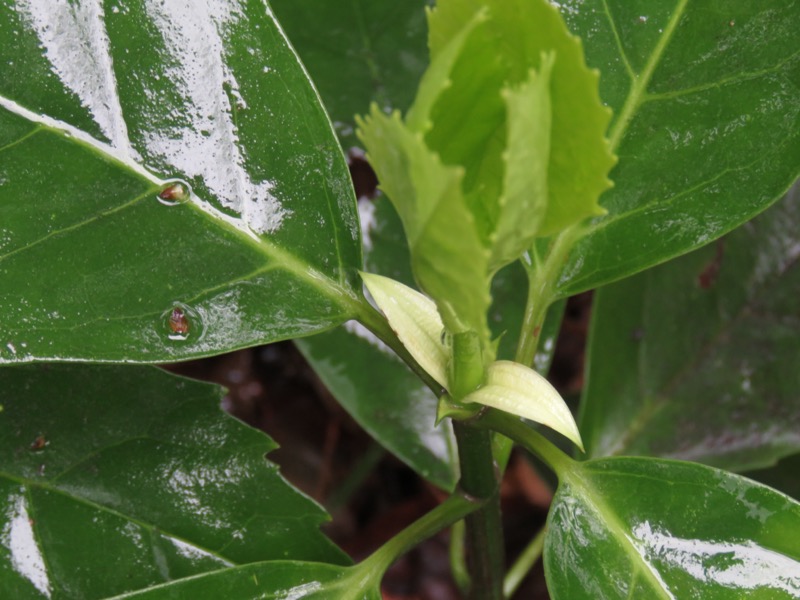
x: 458, y: 566
x: 541, y: 291
x: 514, y: 428
x: 455, y: 508
x: 524, y: 564
x: 485, y: 554
x: 479, y: 475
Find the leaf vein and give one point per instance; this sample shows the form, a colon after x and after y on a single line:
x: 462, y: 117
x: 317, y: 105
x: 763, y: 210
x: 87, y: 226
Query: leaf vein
x: 638, y: 88
x: 22, y: 138
x: 733, y: 79
x: 618, y: 41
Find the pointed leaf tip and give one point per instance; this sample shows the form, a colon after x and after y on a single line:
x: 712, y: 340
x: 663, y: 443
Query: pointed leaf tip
x: 416, y: 321
x: 521, y: 391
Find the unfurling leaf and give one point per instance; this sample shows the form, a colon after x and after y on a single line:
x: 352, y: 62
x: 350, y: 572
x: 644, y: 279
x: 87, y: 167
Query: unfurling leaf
x: 521, y: 391
x: 448, y: 258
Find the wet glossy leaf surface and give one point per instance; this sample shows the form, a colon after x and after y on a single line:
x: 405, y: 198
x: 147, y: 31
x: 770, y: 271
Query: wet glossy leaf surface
x: 706, y: 99
x: 697, y: 359
x: 120, y: 478
x: 648, y: 528
x: 265, y: 581
x: 358, y: 52
x: 99, y: 107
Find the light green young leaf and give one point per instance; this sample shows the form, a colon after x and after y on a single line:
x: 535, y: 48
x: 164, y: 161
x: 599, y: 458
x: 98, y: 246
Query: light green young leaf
x: 524, y: 200
x: 521, y: 391
x: 415, y: 320
x: 580, y: 156
x: 448, y: 258
x: 516, y: 35
x: 446, y: 21
x: 437, y: 76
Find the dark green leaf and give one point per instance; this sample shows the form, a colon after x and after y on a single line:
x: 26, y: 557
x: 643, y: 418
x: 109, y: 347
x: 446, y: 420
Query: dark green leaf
x: 646, y: 528
x: 266, y: 581
x: 98, y: 108
x: 697, y: 359
x: 386, y: 398
x: 120, y: 478
x: 358, y: 52
x: 706, y: 97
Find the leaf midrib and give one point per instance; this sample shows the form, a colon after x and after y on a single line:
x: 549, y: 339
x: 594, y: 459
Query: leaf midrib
x: 638, y: 90
x: 28, y: 484
x: 594, y: 501
x: 345, y: 297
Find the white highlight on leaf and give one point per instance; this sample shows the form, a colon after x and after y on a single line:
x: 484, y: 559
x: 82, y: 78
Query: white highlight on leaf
x: 202, y: 140
x: 119, y: 156
x: 738, y: 566
x: 368, y: 220
x: 75, y: 41
x: 194, y: 553
x: 18, y: 538
x: 300, y: 591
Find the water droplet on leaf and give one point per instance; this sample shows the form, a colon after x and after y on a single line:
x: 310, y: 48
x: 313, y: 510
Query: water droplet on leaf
x: 175, y: 192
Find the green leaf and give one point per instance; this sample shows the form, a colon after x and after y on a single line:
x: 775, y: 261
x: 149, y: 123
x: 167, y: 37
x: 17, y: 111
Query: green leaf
x: 98, y: 111
x: 120, y: 478
x: 415, y: 320
x: 697, y: 359
x: 378, y: 390
x: 282, y: 580
x: 501, y: 53
x: 707, y: 100
x: 646, y: 528
x: 447, y: 255
x: 358, y: 53
x: 386, y: 399
x: 527, y: 155
x: 516, y: 389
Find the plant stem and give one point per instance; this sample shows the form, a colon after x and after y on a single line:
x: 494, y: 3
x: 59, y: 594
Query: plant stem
x: 524, y: 564
x: 541, y: 291
x: 458, y: 566
x: 514, y: 428
x: 455, y: 508
x: 485, y: 555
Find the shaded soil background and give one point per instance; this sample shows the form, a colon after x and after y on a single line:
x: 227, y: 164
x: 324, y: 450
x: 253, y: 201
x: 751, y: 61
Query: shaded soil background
x: 370, y: 494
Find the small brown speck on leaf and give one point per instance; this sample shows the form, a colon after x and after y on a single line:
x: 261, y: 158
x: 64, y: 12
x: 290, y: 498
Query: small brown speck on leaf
x: 39, y: 443
x: 178, y: 322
